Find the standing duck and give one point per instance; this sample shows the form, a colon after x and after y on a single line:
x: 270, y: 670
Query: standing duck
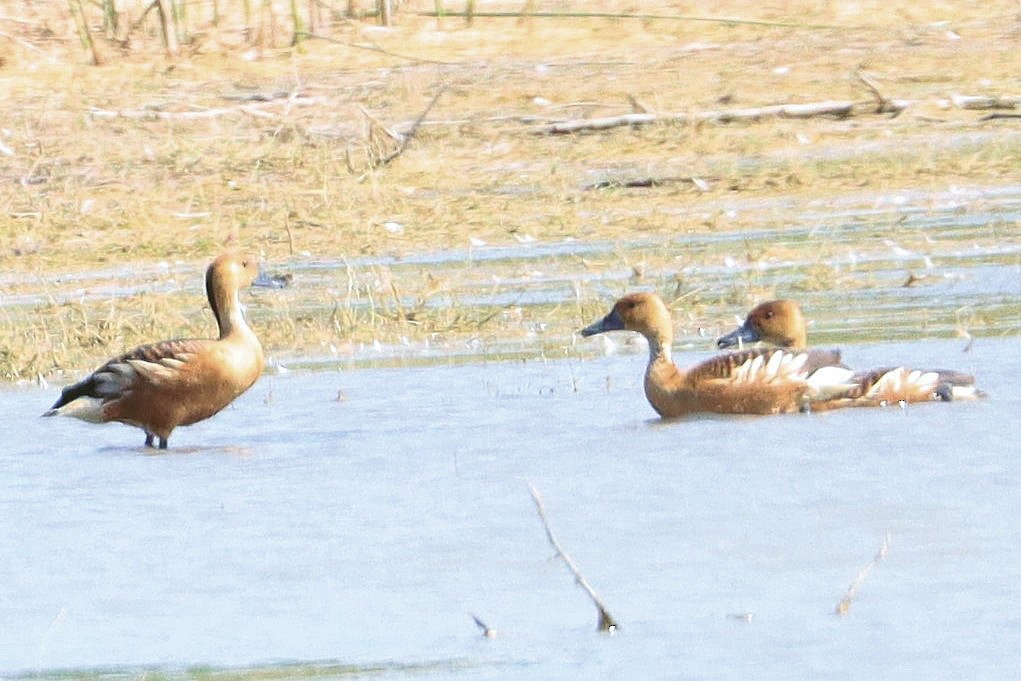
x: 757, y: 381
x: 171, y: 383
x: 781, y: 323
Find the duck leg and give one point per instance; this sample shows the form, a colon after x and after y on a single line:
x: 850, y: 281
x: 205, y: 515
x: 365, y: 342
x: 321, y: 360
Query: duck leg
x: 150, y: 441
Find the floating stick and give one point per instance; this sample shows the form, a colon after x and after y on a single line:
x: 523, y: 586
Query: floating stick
x: 487, y: 631
x: 845, y: 603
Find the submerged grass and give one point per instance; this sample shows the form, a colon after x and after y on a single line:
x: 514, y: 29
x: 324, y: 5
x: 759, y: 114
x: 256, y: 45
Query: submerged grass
x: 147, y: 160
x: 326, y: 669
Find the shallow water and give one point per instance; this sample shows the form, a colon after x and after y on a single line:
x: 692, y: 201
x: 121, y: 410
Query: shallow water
x: 341, y: 522
x: 347, y: 521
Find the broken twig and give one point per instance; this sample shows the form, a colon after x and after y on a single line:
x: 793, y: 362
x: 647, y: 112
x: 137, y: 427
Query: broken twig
x: 883, y: 105
x: 403, y: 139
x: 606, y: 621
x: 487, y: 631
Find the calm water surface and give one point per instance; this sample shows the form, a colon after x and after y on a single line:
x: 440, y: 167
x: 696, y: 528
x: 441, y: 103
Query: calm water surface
x: 357, y: 517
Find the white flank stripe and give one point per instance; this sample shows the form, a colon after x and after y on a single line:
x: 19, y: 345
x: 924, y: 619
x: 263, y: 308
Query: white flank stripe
x: 830, y: 382
x: 775, y: 365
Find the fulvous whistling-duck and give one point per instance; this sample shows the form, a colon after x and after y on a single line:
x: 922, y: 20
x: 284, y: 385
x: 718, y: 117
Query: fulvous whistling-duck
x: 781, y: 323
x: 758, y: 381
x: 160, y: 386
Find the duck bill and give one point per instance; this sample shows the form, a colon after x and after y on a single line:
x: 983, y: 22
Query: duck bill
x: 739, y: 336
x: 611, y: 322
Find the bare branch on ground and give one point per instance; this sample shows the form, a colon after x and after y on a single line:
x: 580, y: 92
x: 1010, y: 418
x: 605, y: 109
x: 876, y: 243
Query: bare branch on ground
x: 645, y: 182
x: 883, y: 104
x: 371, y: 47
x: 982, y: 102
x: 837, y: 109
x: 153, y: 114
x: 402, y: 138
x: 997, y: 116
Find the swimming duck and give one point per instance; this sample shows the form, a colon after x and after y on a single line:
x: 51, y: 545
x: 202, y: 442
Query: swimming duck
x: 755, y: 381
x: 160, y: 386
x: 781, y: 323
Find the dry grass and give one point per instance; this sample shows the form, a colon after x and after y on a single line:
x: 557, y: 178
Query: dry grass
x: 294, y: 177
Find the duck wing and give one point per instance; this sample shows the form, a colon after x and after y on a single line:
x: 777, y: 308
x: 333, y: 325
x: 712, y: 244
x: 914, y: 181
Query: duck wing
x: 899, y: 384
x: 813, y: 376
x: 766, y: 365
x: 759, y: 381
x: 155, y: 364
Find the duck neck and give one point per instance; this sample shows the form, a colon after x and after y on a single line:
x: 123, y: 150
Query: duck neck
x: 659, y: 348
x: 229, y: 312
x: 664, y: 381
x: 793, y: 339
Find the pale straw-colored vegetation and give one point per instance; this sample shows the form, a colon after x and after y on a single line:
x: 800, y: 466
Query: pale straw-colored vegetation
x: 283, y: 128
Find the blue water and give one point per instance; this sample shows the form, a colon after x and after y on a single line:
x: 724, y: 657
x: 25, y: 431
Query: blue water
x: 358, y: 517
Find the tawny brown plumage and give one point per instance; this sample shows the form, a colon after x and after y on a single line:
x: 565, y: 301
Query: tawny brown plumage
x: 781, y: 323
x: 172, y: 383
x: 760, y: 381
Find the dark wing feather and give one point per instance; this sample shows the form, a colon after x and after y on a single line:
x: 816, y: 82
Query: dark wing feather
x: 954, y: 378
x: 103, y: 384
x: 866, y: 380
x: 83, y: 388
x: 817, y: 359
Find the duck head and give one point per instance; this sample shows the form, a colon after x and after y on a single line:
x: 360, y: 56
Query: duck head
x: 231, y: 271
x: 226, y: 276
x: 644, y: 313
x: 778, y: 322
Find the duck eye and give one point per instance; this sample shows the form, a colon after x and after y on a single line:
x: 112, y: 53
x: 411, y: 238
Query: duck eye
x: 769, y: 314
